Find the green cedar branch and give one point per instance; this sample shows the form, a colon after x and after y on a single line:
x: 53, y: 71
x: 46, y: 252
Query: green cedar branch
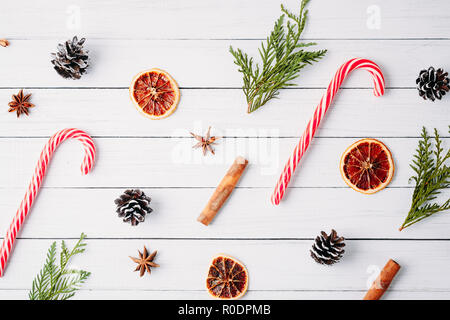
x: 59, y: 282
x: 282, y: 58
x: 432, y: 176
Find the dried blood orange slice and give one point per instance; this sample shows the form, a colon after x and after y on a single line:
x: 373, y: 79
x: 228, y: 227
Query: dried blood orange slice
x: 155, y: 93
x: 227, y: 278
x: 367, y: 166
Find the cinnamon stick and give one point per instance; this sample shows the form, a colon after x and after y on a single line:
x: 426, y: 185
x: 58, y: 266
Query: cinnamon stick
x: 223, y: 191
x: 381, y: 284
x: 4, y: 42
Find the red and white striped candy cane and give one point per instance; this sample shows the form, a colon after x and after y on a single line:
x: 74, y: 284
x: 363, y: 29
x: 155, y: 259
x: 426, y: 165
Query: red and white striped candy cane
x: 33, y: 188
x: 319, y: 113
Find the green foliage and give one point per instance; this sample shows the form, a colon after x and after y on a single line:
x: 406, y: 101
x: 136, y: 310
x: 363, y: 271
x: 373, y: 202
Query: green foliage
x: 432, y: 176
x: 282, y: 59
x: 58, y: 282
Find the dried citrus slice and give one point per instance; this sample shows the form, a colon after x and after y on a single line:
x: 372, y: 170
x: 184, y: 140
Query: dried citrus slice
x: 367, y: 166
x: 155, y: 93
x: 227, y: 278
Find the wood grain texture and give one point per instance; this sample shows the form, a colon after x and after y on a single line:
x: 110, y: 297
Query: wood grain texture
x: 205, y: 19
x: 171, y: 162
x: 252, y: 294
x: 301, y: 216
x: 208, y: 64
x: 189, y: 260
x: 402, y: 36
x: 109, y: 112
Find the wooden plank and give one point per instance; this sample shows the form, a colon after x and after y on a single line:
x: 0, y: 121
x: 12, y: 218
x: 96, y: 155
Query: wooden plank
x: 207, y: 64
x: 162, y: 162
x: 252, y: 294
x: 157, y: 156
x: 109, y: 112
x: 62, y: 213
x: 184, y: 264
x: 232, y: 19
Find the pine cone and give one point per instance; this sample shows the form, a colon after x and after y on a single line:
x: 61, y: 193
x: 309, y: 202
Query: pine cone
x: 432, y: 84
x: 132, y: 206
x: 71, y: 60
x: 327, y: 249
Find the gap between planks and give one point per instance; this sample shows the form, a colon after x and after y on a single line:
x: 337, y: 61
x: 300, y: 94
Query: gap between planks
x: 237, y: 39
x: 198, y: 88
x: 228, y: 137
x: 226, y: 239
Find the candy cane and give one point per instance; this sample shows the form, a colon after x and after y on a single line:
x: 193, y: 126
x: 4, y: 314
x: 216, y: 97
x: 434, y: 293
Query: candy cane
x: 33, y: 188
x: 327, y: 98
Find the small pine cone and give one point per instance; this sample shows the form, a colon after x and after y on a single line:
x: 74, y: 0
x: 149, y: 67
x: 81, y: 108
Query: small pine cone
x: 433, y: 84
x: 328, y: 249
x: 71, y: 60
x: 132, y: 206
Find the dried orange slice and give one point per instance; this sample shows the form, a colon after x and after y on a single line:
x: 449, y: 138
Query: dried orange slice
x: 367, y: 166
x: 155, y: 93
x: 227, y: 278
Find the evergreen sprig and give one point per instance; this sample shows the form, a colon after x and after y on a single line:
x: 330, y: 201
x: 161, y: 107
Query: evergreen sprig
x: 432, y: 175
x: 59, y: 282
x: 282, y: 59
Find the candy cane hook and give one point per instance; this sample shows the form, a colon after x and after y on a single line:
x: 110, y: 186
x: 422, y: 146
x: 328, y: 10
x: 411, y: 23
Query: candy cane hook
x: 36, y: 181
x: 321, y: 109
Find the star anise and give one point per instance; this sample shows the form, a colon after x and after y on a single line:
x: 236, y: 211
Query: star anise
x: 145, y: 262
x: 20, y: 103
x: 205, y: 142
x: 4, y: 42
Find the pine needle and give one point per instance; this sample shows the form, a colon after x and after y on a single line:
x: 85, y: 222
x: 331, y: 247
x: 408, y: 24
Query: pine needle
x: 282, y: 59
x: 58, y: 282
x: 432, y: 175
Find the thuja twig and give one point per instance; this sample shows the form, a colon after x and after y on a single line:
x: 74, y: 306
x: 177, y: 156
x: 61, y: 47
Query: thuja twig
x: 59, y: 282
x: 282, y: 59
x: 432, y: 175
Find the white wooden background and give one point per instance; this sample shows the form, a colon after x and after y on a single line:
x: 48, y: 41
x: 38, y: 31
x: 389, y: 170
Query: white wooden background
x: 190, y: 40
